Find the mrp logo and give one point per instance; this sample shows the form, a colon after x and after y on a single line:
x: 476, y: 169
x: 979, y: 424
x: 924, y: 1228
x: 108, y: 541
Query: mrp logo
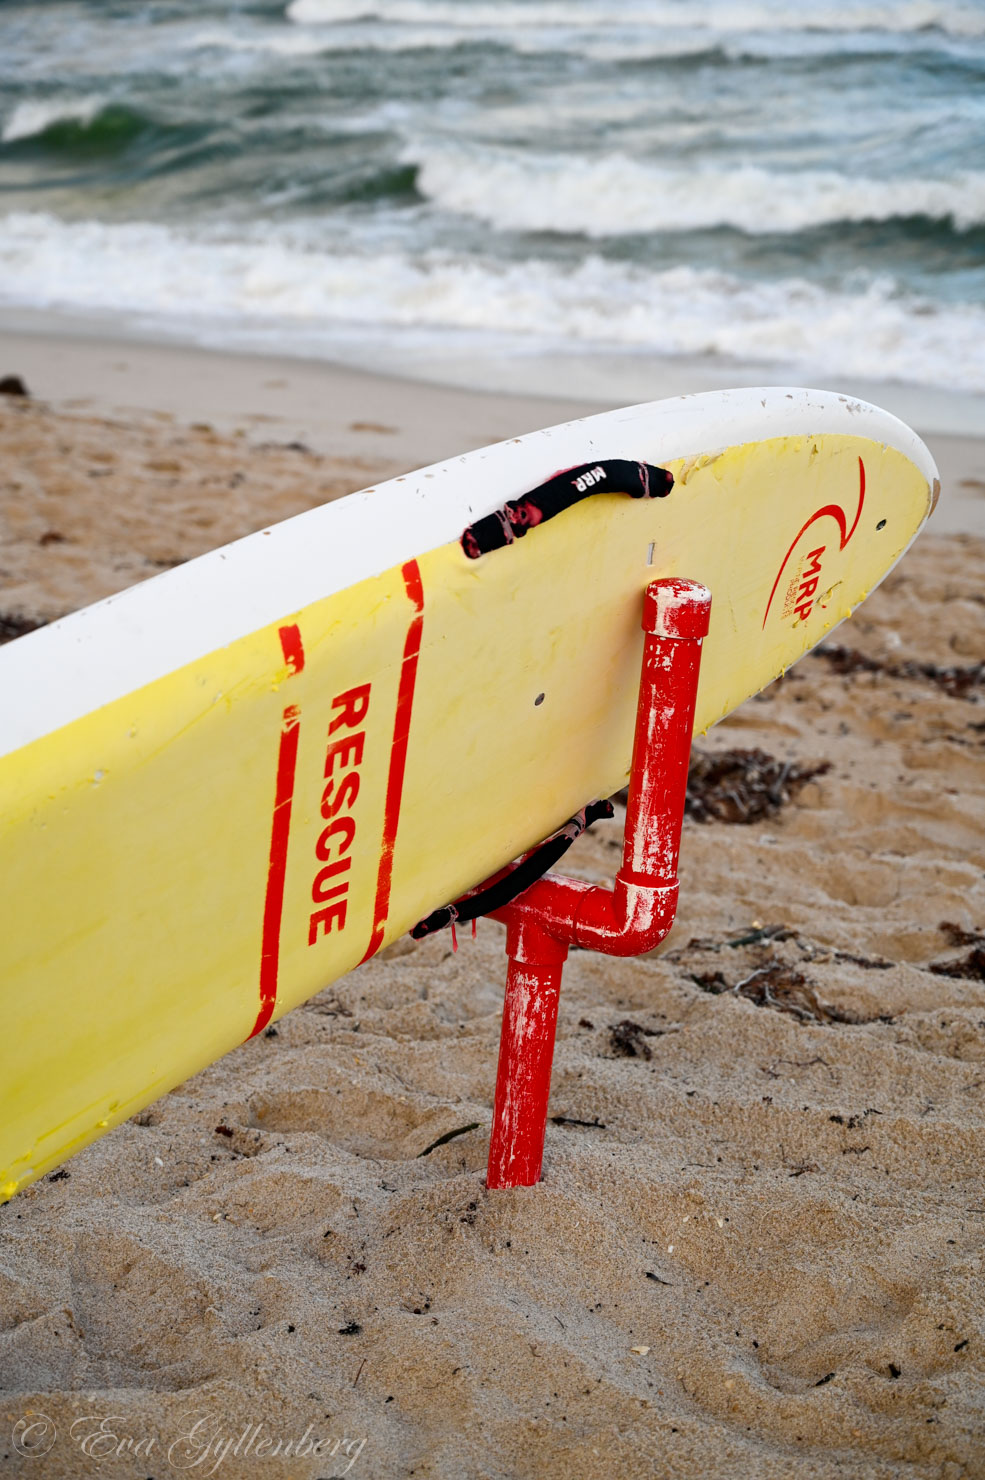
x: 803, y: 587
x: 588, y: 480
x: 801, y: 595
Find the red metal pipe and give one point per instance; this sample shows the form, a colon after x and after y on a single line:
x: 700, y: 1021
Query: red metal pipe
x: 634, y: 916
x: 526, y: 1053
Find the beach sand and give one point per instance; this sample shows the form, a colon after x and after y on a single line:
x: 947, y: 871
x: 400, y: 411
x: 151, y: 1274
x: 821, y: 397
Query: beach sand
x: 758, y: 1246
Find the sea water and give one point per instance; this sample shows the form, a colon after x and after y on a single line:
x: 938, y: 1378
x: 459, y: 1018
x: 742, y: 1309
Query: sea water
x: 799, y: 189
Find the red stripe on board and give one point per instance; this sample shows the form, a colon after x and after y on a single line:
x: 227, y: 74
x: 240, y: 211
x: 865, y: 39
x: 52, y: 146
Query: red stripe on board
x: 280, y: 831
x: 290, y: 641
x: 398, y: 755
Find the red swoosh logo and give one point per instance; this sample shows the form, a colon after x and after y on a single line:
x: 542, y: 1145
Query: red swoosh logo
x: 835, y: 512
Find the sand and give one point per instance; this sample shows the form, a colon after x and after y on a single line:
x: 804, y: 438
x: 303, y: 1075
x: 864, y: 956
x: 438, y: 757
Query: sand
x: 757, y: 1249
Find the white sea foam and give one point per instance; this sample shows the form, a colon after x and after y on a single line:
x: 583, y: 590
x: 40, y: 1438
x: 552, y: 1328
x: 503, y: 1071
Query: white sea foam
x: 276, y: 42
x: 32, y: 117
x: 320, y: 42
x: 613, y: 195
x: 959, y: 17
x: 296, y: 287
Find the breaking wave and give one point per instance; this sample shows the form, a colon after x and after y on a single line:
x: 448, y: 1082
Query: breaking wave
x: 610, y: 43
x: 294, y: 287
x: 951, y: 16
x: 86, y: 126
x: 613, y: 195
x: 33, y: 117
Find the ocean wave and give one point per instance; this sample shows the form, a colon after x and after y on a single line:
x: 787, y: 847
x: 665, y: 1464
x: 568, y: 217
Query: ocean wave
x: 613, y: 195
x: 88, y: 127
x: 33, y: 116
x: 292, y: 45
x: 609, y: 43
x: 613, y: 46
x: 294, y: 287
x: 951, y: 16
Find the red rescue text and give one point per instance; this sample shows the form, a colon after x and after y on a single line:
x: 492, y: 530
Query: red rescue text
x: 333, y: 850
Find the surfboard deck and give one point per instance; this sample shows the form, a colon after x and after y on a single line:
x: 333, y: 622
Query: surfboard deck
x: 225, y: 788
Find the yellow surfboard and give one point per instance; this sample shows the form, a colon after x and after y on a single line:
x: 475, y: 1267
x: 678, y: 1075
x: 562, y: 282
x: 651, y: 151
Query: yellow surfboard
x: 226, y: 787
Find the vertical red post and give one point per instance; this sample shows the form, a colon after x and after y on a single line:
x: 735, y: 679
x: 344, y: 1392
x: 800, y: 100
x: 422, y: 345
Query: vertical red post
x: 675, y: 620
x: 526, y: 1054
x: 555, y: 912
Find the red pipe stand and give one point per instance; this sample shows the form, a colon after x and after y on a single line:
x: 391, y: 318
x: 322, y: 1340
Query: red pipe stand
x: 634, y: 916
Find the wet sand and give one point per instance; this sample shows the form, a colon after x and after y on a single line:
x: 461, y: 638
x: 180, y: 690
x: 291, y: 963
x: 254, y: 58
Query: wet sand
x: 757, y: 1248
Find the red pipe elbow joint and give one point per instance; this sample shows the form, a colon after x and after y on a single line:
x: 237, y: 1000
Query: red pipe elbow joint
x: 627, y: 920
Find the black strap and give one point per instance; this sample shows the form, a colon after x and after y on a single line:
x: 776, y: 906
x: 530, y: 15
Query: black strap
x: 531, y: 867
x: 611, y: 475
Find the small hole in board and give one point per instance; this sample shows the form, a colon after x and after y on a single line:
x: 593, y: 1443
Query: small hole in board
x: 881, y: 524
x: 649, y: 553
x: 539, y: 700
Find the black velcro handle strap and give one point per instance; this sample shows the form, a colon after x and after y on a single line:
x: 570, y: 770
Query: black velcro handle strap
x: 612, y: 475
x: 530, y: 868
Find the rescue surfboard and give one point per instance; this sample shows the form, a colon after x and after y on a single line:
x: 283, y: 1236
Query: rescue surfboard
x: 226, y: 787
